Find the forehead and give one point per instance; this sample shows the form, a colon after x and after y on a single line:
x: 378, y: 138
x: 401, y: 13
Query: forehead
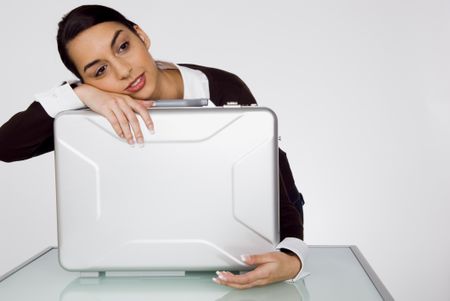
x: 94, y: 42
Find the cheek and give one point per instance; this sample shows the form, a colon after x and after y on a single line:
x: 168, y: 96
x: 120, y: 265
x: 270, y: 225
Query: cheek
x: 109, y: 84
x: 141, y: 54
x: 143, y: 59
x: 147, y: 62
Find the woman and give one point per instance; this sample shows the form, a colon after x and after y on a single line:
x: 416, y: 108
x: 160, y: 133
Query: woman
x: 119, y: 79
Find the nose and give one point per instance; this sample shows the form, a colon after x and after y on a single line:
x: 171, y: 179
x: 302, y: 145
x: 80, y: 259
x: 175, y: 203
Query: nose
x: 123, y: 69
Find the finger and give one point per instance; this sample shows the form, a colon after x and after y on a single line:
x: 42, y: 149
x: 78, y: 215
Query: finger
x: 253, y: 278
x: 133, y: 121
x: 143, y: 111
x: 114, y: 122
x: 146, y: 103
x: 258, y: 258
x: 243, y: 279
x: 245, y: 286
x: 239, y: 286
x: 123, y: 122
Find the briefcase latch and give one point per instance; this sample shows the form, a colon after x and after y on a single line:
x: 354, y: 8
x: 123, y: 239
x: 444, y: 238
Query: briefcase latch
x: 233, y: 104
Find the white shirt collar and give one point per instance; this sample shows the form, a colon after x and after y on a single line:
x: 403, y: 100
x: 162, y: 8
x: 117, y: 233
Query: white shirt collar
x: 195, y: 82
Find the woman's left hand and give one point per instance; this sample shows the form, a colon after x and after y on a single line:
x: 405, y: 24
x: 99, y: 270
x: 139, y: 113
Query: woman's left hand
x: 270, y: 267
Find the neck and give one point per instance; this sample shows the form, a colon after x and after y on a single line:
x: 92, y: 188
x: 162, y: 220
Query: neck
x: 170, y: 85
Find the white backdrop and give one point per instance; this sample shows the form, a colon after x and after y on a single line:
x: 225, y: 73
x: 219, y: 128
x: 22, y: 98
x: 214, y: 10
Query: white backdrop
x: 362, y: 95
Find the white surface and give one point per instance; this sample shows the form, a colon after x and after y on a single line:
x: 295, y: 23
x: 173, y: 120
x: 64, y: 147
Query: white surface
x: 362, y: 95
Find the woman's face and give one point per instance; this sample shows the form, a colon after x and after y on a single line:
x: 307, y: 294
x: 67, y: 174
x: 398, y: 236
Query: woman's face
x: 112, y: 58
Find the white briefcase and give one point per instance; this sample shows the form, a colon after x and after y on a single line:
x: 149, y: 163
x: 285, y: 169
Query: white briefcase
x: 202, y: 191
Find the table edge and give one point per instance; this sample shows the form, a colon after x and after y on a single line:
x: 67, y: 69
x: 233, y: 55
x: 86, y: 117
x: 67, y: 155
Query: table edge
x: 382, y: 290
x: 25, y: 263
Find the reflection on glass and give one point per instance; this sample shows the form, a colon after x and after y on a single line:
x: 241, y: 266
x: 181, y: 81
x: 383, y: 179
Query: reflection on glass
x: 193, y: 286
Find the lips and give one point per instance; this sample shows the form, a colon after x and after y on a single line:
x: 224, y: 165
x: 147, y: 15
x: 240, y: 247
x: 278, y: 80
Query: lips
x: 137, y: 84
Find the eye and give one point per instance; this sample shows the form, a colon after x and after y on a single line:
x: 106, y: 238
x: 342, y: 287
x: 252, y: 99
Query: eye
x: 124, y: 46
x: 100, y: 70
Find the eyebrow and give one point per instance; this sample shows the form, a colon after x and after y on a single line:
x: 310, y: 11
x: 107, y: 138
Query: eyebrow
x: 113, y: 41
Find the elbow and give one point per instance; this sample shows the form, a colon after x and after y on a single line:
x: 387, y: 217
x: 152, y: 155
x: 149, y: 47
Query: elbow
x: 7, y: 154
x: 11, y: 146
x: 6, y: 157
x: 6, y: 160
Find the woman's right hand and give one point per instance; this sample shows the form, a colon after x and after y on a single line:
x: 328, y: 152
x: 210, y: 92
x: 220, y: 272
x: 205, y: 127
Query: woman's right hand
x: 119, y: 109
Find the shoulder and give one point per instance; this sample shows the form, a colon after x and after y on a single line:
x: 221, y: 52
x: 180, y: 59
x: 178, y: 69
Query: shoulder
x: 215, y: 74
x: 225, y: 86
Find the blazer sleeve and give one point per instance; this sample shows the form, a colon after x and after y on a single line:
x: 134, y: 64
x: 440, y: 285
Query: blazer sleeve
x: 291, y: 201
x: 26, y: 134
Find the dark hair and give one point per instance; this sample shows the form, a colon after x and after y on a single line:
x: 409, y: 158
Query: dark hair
x: 80, y: 19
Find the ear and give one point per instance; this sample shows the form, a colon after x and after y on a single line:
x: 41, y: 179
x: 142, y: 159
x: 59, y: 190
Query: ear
x: 143, y: 36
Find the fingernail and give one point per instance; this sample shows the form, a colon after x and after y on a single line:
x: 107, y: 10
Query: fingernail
x: 215, y: 280
x: 222, y: 277
x: 140, y: 140
x: 151, y: 131
x: 244, y: 258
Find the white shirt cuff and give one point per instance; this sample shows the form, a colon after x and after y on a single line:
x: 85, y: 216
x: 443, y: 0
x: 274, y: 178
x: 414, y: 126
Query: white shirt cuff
x: 299, y: 248
x: 58, y: 99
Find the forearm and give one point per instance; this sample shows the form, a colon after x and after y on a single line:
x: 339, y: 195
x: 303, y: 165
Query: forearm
x: 59, y: 99
x: 30, y: 133
x: 27, y: 134
x: 291, y: 215
x: 297, y: 249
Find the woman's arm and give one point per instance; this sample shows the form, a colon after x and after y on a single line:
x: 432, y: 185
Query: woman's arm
x: 225, y: 86
x: 273, y: 266
x: 30, y: 133
x: 277, y: 266
x: 120, y: 110
x: 27, y: 134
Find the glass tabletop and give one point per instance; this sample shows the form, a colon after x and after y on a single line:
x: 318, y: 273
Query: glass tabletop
x: 337, y: 273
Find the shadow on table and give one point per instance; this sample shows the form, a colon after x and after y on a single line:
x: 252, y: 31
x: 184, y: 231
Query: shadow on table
x: 192, y: 287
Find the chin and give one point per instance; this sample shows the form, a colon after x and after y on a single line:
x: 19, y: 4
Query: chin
x: 147, y: 91
x: 145, y: 94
